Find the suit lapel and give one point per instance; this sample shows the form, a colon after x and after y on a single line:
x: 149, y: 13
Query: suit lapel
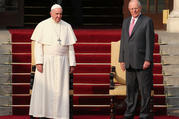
x: 139, y: 21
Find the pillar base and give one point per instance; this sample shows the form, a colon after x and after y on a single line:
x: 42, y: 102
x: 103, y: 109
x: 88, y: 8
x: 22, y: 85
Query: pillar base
x: 172, y: 25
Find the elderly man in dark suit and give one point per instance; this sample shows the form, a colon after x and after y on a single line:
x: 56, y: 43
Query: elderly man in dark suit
x: 136, y: 57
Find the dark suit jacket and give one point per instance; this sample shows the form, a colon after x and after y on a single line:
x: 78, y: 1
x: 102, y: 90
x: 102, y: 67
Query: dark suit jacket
x: 138, y: 47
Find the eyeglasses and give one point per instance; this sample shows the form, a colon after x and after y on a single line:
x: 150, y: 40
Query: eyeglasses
x: 133, y: 8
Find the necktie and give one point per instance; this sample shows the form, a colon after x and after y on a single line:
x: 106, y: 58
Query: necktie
x: 131, y: 26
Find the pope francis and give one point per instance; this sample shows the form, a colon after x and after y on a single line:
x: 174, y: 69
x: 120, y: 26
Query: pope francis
x: 54, y: 59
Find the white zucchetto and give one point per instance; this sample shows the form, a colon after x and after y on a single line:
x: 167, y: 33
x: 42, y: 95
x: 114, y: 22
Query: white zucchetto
x: 55, y: 6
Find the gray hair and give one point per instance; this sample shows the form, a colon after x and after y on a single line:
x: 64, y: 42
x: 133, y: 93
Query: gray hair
x: 138, y: 2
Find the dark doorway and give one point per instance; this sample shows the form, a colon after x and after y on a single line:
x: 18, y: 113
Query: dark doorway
x: 11, y: 13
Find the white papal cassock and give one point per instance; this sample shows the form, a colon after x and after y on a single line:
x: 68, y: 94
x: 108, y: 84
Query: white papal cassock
x: 54, y: 49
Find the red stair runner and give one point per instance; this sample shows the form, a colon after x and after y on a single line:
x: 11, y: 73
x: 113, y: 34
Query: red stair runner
x: 91, y: 77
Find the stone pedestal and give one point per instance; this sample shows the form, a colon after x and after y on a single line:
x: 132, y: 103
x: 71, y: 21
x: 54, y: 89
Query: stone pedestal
x: 173, y: 20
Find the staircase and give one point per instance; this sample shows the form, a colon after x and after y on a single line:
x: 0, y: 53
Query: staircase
x: 91, y: 77
x: 91, y: 81
x: 5, y: 73
x: 170, y: 55
x: 79, y: 13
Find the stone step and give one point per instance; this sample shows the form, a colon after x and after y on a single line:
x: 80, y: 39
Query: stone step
x: 173, y: 111
x: 173, y: 101
x: 168, y: 38
x: 170, y: 50
x: 6, y: 79
x: 5, y: 68
x: 170, y: 55
x: 171, y: 80
x: 5, y: 48
x: 172, y: 91
x: 5, y: 89
x: 5, y: 100
x: 170, y: 59
x: 4, y: 36
x: 5, y: 59
x: 172, y: 70
x: 5, y: 111
x: 5, y: 72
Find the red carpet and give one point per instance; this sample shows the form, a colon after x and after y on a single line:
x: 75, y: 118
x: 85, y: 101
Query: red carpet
x: 23, y: 35
x: 87, y: 48
x: 91, y: 77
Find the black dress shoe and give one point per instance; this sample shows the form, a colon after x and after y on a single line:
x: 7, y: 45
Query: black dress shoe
x: 122, y: 105
x: 31, y: 117
x: 149, y: 117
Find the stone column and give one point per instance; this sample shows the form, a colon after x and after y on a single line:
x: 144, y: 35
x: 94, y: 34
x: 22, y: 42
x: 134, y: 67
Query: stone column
x: 173, y: 20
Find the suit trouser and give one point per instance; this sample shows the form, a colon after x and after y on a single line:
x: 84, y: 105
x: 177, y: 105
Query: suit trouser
x: 138, y: 80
